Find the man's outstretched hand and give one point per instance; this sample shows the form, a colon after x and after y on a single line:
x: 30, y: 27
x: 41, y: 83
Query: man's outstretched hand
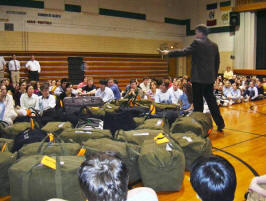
x: 163, y: 52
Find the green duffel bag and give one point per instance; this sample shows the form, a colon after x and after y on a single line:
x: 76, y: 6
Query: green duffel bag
x: 137, y: 136
x: 6, y: 144
x: 162, y: 166
x: 193, y: 146
x: 30, y: 181
x: 50, y: 148
x: 139, y: 120
x: 7, y: 159
x: 185, y: 124
x: 205, y: 120
x: 11, y: 132
x: 52, y: 127
x: 154, y: 124
x: 81, y: 135
x: 128, y: 153
x: 96, y: 112
x: 162, y: 106
x: 144, y: 103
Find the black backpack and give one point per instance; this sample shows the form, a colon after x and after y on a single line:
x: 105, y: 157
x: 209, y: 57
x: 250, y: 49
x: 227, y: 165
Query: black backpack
x: 28, y: 136
x: 119, y: 120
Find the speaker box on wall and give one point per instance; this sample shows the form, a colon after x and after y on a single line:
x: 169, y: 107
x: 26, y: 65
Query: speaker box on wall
x: 234, y: 19
x: 75, y: 69
x: 9, y: 27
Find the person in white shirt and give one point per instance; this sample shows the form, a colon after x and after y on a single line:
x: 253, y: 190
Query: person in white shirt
x: 9, y: 114
x: 175, y: 93
x: 145, y: 85
x: 14, y: 67
x: 46, y: 101
x: 28, y: 100
x: 34, y: 69
x: 235, y: 96
x: 105, y: 92
x: 2, y: 67
x: 163, y: 95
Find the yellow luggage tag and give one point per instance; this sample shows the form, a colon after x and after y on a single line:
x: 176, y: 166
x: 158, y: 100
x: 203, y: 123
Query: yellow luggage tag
x: 160, y: 139
x: 51, y: 137
x: 152, y: 109
x: 49, y: 162
x: 209, y: 131
x: 95, y: 108
x: 61, y: 103
x: 82, y: 152
x: 32, y: 123
x: 4, y: 147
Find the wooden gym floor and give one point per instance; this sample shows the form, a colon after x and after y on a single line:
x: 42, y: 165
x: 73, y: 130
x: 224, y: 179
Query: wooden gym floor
x: 244, y: 137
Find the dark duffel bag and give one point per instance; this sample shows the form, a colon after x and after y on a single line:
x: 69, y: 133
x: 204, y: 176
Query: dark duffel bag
x: 81, y: 135
x: 205, y: 120
x: 185, y: 124
x: 75, y: 104
x: 6, y: 145
x: 193, y: 146
x: 137, y: 136
x: 30, y: 181
x: 162, y: 166
x: 7, y: 159
x: 128, y: 153
x: 28, y: 136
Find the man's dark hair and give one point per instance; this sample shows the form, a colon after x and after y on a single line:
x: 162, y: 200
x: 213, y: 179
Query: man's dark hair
x: 28, y: 86
x: 103, y: 177
x: 68, y: 85
x: 64, y: 80
x: 132, y: 81
x: 202, y: 28
x: 44, y: 86
x: 166, y: 83
x: 145, y: 78
x: 213, y: 178
x: 103, y: 82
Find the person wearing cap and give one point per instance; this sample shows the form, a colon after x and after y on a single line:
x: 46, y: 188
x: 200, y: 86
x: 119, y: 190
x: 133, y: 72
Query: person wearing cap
x: 105, y: 92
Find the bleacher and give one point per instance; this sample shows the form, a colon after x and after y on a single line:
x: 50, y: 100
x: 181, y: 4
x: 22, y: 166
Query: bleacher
x: 121, y: 67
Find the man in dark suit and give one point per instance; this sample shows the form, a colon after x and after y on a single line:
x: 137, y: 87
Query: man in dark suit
x: 204, y: 71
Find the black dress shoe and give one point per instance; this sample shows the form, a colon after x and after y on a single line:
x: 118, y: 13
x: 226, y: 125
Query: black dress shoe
x: 220, y: 128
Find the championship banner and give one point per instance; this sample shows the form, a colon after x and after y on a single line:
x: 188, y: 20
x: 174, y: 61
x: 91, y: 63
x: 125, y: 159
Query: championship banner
x: 225, y: 8
x: 211, y: 8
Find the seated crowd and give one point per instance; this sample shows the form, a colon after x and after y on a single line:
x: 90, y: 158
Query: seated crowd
x: 15, y: 101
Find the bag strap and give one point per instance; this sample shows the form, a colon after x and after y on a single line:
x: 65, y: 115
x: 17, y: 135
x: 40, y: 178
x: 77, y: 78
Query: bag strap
x: 26, y: 183
x: 57, y: 138
x: 58, y: 179
x: 129, y: 150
